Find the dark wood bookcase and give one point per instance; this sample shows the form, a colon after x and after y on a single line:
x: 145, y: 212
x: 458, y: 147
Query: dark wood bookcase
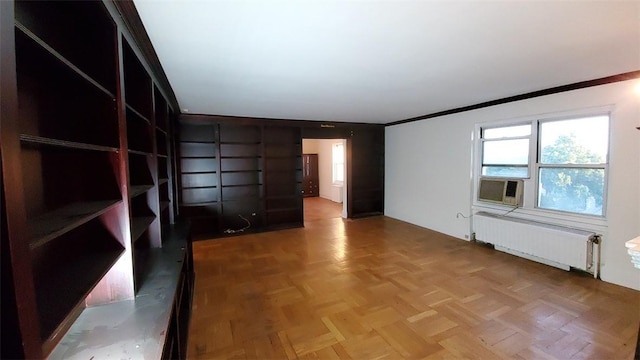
x: 199, y: 181
x: 60, y: 87
x: 236, y: 168
x: 283, y: 174
x: 86, y: 165
x: 241, y: 176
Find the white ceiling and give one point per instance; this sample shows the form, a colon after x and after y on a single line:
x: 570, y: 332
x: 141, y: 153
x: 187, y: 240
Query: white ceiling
x: 381, y: 61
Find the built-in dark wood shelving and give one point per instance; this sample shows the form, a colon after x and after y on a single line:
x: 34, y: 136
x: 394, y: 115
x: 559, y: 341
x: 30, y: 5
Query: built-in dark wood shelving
x: 73, y: 262
x: 49, y: 226
x: 61, y: 58
x: 208, y: 203
x: 135, y: 190
x: 84, y: 119
x: 39, y: 140
x: 77, y: 278
x: 139, y: 152
x: 139, y: 225
x: 137, y: 114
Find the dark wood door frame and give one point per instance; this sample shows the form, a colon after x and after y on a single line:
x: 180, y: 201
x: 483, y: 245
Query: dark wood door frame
x: 347, y: 167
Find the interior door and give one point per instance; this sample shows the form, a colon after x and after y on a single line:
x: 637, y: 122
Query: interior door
x: 310, y: 178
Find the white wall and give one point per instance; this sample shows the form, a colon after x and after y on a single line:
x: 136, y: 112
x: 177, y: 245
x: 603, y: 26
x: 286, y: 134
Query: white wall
x: 325, y: 160
x: 428, y: 168
x: 322, y: 147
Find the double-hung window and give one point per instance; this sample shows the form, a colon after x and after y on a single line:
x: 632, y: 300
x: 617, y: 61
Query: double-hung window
x: 505, y: 151
x: 569, y: 166
x: 572, y: 164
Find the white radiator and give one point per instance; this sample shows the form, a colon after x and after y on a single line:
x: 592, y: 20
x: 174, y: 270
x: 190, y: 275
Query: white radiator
x: 549, y: 244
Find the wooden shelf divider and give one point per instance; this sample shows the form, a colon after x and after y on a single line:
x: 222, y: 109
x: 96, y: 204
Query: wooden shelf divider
x: 49, y: 226
x: 136, y: 190
x: 56, y: 54
x: 139, y: 225
x: 39, y: 140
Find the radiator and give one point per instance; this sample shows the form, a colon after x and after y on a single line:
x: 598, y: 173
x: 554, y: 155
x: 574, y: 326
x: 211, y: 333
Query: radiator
x: 557, y: 246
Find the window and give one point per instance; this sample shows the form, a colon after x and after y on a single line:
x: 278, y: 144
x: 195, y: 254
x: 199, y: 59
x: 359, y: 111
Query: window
x: 338, y: 163
x: 572, y: 163
x: 567, y: 160
x: 505, y: 151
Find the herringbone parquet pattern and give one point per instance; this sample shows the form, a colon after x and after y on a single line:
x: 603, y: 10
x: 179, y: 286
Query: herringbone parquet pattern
x: 381, y: 288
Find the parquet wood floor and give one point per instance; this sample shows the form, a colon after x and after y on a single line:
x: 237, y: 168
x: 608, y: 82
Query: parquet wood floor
x: 317, y: 208
x: 379, y: 288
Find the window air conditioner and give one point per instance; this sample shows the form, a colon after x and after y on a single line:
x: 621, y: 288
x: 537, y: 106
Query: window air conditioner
x: 501, y: 191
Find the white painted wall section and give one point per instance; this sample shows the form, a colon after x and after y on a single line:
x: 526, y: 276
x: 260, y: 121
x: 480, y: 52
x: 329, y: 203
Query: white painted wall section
x: 428, y: 167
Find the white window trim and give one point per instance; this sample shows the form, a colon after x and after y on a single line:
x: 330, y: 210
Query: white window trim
x: 482, y: 141
x: 529, y: 209
x: 335, y: 182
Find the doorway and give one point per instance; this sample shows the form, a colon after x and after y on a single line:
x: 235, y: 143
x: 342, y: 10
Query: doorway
x: 324, y: 189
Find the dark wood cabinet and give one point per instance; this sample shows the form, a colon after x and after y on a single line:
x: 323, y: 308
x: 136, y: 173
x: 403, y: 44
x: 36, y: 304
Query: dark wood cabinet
x: 310, y: 175
x: 86, y: 166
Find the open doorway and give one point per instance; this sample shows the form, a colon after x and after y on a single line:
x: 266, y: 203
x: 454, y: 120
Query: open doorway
x: 324, y: 179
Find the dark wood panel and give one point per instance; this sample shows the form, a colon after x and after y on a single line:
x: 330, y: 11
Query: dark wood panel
x: 242, y: 178
x: 286, y: 216
x: 240, y: 134
x: 242, y: 164
x: 199, y: 180
x: 198, y: 133
x: 284, y: 164
x: 365, y: 151
x: 279, y: 135
x: 198, y: 165
x: 209, y: 211
x: 288, y: 177
x: 289, y: 202
x: 286, y: 150
x: 241, y: 192
x: 240, y: 150
x: 198, y: 150
x: 199, y: 195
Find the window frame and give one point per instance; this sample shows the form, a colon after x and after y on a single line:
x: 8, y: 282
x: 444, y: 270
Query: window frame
x: 335, y: 164
x: 537, y: 165
x: 483, y: 141
x: 531, y: 183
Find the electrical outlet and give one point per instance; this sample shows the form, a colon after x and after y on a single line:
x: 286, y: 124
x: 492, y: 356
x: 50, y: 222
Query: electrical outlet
x: 466, y: 236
